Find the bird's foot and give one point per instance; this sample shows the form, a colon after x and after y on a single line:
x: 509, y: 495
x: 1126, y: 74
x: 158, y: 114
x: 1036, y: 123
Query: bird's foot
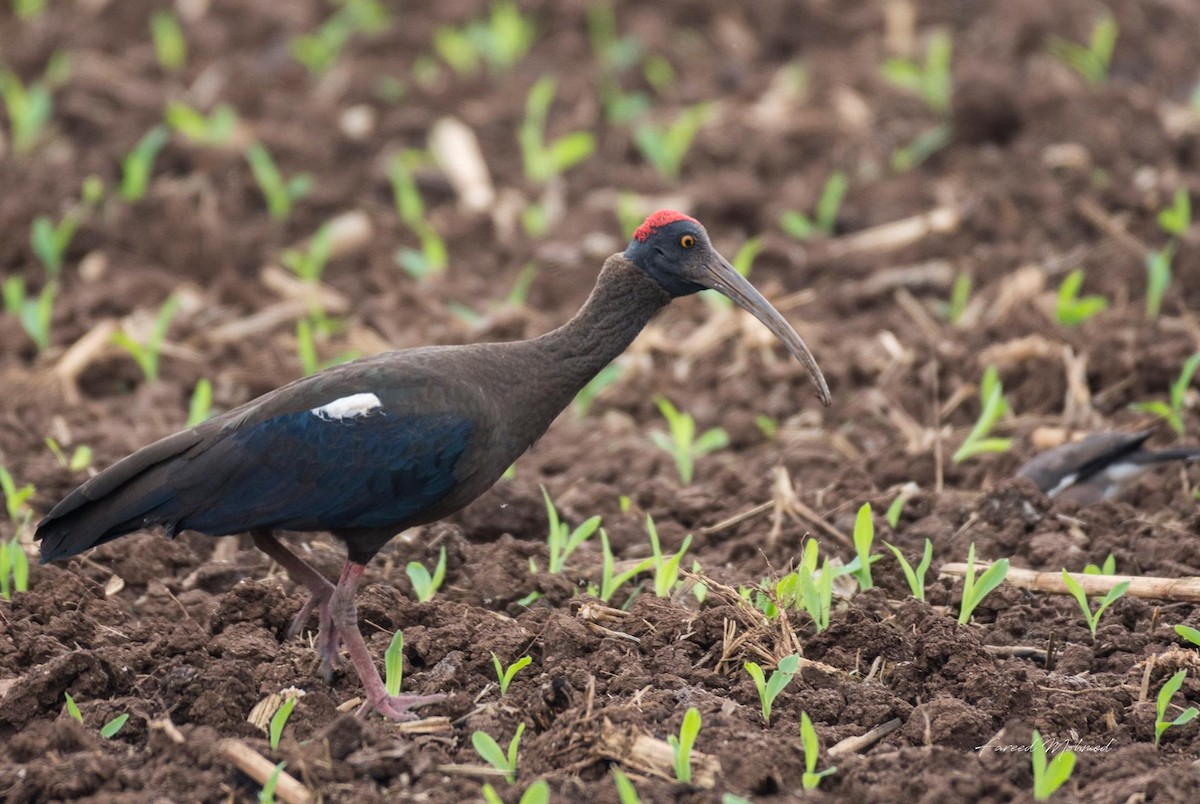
x: 329, y: 648
x: 398, y: 707
x: 329, y: 641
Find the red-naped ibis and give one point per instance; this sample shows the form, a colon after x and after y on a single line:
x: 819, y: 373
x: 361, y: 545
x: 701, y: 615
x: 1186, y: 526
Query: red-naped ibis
x: 1098, y: 467
x: 369, y: 448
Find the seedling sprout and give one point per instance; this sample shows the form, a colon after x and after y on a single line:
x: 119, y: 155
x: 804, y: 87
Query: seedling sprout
x: 666, y: 147
x: 200, y: 406
x: 138, y: 165
x: 812, y: 750
x: 214, y: 129
x: 490, y: 751
x: 563, y: 542
x: 1076, y: 590
x: 425, y: 586
x: 505, y: 675
x: 281, y: 194
x: 975, y: 591
x: 1069, y: 308
x: 864, y: 536
x: 14, y: 569
x: 768, y: 690
x: 110, y: 729
x: 1051, y: 775
x: 682, y: 443
x: 666, y: 570
x: 1163, y: 702
x: 1092, y: 60
x: 682, y: 745
x: 146, y: 353
x: 626, y: 792
x: 1171, y: 411
x: 169, y: 45
x: 280, y: 718
x: 800, y: 226
x: 393, y: 664
x: 545, y: 160
x: 915, y: 578
x: 994, y: 407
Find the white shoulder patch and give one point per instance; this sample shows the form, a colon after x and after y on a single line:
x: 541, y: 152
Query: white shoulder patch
x: 348, y: 407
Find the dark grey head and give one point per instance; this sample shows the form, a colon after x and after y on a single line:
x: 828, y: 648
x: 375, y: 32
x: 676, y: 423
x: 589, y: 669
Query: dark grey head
x: 674, y: 250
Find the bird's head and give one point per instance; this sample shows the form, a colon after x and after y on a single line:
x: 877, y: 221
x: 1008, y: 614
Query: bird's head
x: 674, y: 250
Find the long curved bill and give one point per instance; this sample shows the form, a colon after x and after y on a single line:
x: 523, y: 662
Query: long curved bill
x: 724, y: 278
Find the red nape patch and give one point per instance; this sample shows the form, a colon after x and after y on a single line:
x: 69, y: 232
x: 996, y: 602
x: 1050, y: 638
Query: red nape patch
x: 658, y: 220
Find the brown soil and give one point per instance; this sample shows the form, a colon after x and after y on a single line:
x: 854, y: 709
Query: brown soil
x: 196, y: 639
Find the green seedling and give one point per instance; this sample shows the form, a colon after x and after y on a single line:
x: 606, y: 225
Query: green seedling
x: 28, y: 10
x: 864, y: 537
x: 659, y: 73
x: 505, y: 675
x: 960, y: 295
x: 1176, y: 219
x: 975, y: 591
x: 929, y: 81
x: 490, y: 751
x: 545, y: 160
x: 994, y: 407
x: 768, y: 690
x: 306, y: 347
x: 682, y: 745
x: 666, y: 568
x: 28, y: 107
x: 169, y: 45
x: 16, y: 499
x: 425, y: 586
x: 215, y: 129
x: 279, y: 193
x: 138, y: 165
x: 561, y: 540
x: 536, y: 793
x: 518, y: 296
x: 309, y: 263
x: 1069, y: 308
x: 500, y: 41
x: 1092, y: 60
x: 319, y: 51
x: 923, y: 146
x: 915, y: 578
x: 743, y: 262
x: 615, y: 56
x: 1109, y: 567
x: 267, y: 794
x: 280, y: 718
x: 73, y: 708
x: 1158, y: 278
x: 1171, y: 411
x: 110, y: 729
x: 611, y: 582
x: 35, y: 314
x: 1076, y: 590
x: 1163, y: 701
x: 50, y: 240
x: 393, y: 664
x: 699, y: 589
x: 800, y: 226
x: 14, y: 569
x: 431, y: 258
x: 1051, y: 775
x: 896, y: 508
x: 146, y: 353
x: 607, y: 376
x: 626, y: 792
x: 812, y: 750
x: 200, y: 406
x: 681, y: 443
x: 666, y: 147
x: 766, y: 425
x: 1190, y: 634
x: 81, y: 457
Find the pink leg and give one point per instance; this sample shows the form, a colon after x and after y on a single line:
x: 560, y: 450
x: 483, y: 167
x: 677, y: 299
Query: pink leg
x: 345, y: 619
x: 328, y: 641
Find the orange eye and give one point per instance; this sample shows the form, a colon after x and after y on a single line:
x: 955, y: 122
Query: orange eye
x: 687, y: 241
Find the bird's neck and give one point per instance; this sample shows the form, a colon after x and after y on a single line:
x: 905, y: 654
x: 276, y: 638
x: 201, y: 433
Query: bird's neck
x: 619, y: 307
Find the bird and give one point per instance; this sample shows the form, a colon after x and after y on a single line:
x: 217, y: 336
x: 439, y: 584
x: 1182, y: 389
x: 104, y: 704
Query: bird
x: 1098, y: 467
x: 372, y: 447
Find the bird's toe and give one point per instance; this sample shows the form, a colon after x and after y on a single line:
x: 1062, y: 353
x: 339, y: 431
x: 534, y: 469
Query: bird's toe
x: 399, y: 707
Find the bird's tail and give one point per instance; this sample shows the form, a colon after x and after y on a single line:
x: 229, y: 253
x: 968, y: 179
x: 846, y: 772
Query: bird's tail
x: 1176, y: 454
x: 129, y: 495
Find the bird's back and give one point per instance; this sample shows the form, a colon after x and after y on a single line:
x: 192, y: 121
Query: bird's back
x: 379, y: 443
